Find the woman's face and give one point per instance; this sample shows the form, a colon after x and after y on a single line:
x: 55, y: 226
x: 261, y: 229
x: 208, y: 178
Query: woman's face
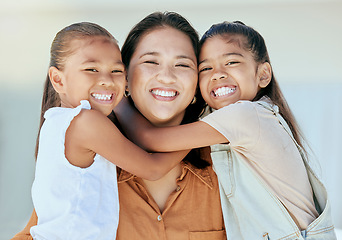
x: 162, y: 76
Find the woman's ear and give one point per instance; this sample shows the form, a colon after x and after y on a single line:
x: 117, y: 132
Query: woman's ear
x: 264, y: 74
x: 56, y: 79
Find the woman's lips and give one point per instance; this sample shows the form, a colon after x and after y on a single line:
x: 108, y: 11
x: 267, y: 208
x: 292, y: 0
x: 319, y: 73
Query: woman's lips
x: 164, y: 94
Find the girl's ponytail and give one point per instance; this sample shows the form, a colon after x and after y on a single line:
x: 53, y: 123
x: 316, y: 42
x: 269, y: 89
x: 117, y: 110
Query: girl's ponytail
x: 50, y: 99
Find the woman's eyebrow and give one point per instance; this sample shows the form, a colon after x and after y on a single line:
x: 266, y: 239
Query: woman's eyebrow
x: 158, y: 54
x: 149, y: 54
x: 185, y: 56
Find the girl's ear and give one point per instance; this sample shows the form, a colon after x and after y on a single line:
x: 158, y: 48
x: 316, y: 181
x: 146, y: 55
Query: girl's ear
x: 56, y: 79
x: 264, y: 74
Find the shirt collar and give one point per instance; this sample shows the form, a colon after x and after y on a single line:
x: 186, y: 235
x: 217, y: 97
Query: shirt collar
x: 202, y: 174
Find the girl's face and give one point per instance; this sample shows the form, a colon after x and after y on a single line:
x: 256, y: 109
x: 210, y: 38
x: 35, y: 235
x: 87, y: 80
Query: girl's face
x: 162, y: 76
x: 94, y: 72
x: 227, y: 72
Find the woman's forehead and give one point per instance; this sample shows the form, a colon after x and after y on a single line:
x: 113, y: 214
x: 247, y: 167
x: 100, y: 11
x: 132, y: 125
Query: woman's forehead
x: 165, y: 40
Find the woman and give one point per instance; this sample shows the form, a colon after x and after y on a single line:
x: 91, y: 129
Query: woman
x: 160, y: 54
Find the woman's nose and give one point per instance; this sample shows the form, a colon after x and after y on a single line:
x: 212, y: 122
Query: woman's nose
x: 167, y: 75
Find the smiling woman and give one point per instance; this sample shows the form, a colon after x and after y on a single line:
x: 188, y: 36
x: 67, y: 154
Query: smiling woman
x: 160, y: 54
x: 163, y: 75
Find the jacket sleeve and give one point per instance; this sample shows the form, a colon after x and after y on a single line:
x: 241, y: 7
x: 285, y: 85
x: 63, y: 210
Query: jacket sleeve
x: 25, y: 233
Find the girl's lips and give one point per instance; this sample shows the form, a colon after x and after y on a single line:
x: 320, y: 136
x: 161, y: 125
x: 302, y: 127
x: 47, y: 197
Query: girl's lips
x: 223, y: 91
x: 103, y: 97
x: 164, y: 94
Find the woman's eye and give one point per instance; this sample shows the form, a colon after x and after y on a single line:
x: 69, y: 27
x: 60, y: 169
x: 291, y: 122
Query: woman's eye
x: 205, y: 69
x: 151, y: 62
x: 182, y: 65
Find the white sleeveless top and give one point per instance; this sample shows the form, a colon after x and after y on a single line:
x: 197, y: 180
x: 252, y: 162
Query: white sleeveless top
x: 71, y: 202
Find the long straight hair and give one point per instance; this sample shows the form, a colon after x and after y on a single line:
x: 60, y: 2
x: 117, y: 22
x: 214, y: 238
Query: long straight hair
x: 59, y: 52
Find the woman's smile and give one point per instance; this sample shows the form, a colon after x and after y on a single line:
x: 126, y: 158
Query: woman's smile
x: 162, y: 75
x: 164, y: 94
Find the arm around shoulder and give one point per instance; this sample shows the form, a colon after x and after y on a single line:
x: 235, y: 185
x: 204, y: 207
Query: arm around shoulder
x: 92, y: 133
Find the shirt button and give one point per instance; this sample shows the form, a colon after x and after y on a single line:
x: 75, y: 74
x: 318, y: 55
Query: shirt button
x: 159, y: 218
x: 178, y: 188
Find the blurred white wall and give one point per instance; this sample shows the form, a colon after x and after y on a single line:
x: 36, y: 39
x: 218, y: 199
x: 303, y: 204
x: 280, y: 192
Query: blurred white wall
x: 304, y: 39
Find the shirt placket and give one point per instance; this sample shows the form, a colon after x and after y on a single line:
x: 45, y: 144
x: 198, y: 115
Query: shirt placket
x: 161, y: 216
x: 158, y: 217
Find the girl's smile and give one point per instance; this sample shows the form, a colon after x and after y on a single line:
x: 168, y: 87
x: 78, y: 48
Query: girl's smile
x: 227, y: 72
x: 94, y: 72
x: 103, y: 97
x: 223, y: 91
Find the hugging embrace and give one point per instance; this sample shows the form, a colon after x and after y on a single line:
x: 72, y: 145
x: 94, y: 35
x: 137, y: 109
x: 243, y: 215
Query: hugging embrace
x: 202, y: 146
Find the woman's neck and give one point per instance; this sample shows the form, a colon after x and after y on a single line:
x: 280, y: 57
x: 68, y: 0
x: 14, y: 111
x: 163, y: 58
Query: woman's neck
x: 161, y: 189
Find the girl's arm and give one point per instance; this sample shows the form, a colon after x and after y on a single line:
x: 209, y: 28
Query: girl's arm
x: 25, y: 233
x: 144, y: 134
x: 91, y: 132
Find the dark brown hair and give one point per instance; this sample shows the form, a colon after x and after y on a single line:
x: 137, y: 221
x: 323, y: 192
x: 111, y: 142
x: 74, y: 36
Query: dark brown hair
x: 159, y: 20
x: 174, y: 20
x: 59, y: 52
x: 252, y: 41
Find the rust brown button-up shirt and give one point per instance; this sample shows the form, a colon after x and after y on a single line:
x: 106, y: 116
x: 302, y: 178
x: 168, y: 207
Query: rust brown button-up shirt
x: 192, y: 211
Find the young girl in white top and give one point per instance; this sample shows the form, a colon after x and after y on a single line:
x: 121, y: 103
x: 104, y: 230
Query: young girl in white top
x: 75, y: 188
x: 268, y: 190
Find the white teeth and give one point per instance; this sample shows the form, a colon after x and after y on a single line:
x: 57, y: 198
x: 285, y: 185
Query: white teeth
x: 223, y: 91
x: 103, y: 97
x: 163, y: 93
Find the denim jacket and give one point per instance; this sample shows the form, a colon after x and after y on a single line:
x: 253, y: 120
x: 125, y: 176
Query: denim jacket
x: 251, y: 211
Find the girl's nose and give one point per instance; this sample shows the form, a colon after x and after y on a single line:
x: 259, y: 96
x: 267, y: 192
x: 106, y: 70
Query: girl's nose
x: 219, y: 75
x: 166, y: 75
x: 106, y: 80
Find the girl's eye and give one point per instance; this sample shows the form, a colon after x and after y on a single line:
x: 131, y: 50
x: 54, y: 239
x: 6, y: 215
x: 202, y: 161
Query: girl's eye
x: 91, y: 70
x: 232, y: 63
x: 117, y: 71
x: 205, y: 69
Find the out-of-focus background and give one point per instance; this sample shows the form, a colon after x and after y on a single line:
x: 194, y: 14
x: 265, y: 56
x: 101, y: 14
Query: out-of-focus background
x: 304, y: 39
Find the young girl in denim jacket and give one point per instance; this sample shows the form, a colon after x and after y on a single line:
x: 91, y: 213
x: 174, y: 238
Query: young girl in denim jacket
x: 268, y: 190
